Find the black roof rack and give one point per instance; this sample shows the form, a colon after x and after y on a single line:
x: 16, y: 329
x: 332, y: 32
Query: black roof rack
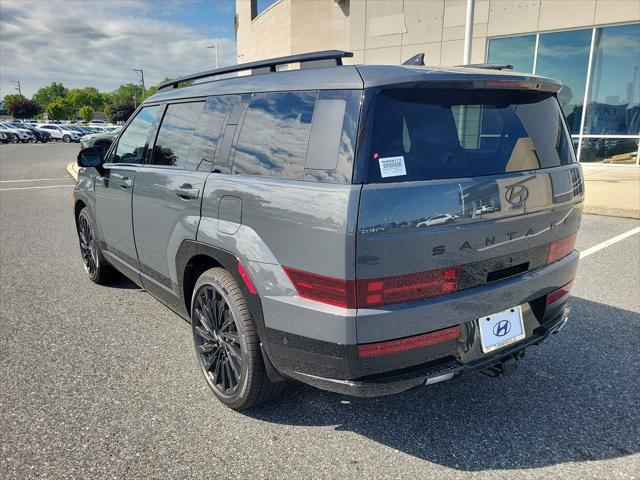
x: 264, y: 66
x: 489, y: 66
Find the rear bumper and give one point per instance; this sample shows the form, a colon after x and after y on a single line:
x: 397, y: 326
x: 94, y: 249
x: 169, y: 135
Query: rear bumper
x: 446, y: 369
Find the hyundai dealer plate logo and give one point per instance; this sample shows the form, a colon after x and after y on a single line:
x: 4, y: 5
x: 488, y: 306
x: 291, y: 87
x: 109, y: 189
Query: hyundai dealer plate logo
x: 501, y: 328
x: 516, y: 194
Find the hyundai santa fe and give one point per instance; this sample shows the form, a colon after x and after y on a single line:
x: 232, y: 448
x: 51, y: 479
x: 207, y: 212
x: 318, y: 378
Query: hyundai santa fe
x: 363, y: 229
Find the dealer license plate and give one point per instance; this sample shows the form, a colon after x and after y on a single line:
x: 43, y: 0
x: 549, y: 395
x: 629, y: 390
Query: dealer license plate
x: 501, y: 329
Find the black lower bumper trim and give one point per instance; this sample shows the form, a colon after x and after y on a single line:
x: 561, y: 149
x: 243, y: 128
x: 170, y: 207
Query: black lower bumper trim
x: 444, y: 370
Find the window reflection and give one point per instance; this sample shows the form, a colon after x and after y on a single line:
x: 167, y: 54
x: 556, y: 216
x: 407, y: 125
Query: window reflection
x: 614, y: 97
x: 620, y: 151
x: 275, y: 133
x: 565, y: 57
x: 133, y: 140
x: 516, y: 51
x: 174, y: 138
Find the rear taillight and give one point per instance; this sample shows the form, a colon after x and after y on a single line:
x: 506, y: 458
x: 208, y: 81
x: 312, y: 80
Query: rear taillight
x: 378, y: 349
x: 333, y: 291
x: 559, y: 295
x: 407, y: 288
x: 374, y: 292
x: 561, y: 248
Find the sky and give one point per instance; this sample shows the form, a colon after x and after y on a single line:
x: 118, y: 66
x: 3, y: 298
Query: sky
x: 98, y: 42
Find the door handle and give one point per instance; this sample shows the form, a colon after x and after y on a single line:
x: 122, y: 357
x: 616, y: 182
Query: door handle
x: 187, y: 191
x: 126, y: 183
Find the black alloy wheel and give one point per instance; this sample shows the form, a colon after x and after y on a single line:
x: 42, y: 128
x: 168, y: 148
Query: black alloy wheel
x: 95, y: 265
x: 217, y: 341
x: 88, y: 250
x: 227, y: 342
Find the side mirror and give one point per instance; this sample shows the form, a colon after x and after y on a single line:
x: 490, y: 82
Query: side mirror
x: 91, y: 157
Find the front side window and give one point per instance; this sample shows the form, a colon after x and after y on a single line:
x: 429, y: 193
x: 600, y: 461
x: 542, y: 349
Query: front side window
x: 133, y: 141
x: 275, y: 133
x: 175, y: 136
x: 422, y: 134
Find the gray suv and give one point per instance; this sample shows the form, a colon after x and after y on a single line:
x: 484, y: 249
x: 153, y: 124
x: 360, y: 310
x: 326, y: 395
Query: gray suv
x: 363, y: 229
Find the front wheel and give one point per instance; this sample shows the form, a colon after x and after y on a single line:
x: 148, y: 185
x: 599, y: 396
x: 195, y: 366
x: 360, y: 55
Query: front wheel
x: 94, y: 264
x: 227, y: 343
x: 66, y: 139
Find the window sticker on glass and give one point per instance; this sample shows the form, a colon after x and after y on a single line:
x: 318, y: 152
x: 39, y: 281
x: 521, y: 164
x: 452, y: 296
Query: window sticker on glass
x: 392, y: 166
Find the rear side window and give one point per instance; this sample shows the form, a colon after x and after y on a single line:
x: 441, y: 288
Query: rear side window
x: 175, y: 136
x: 422, y: 134
x: 274, y: 136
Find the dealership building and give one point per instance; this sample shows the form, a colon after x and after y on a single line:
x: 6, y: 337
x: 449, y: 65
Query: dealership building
x: 592, y: 46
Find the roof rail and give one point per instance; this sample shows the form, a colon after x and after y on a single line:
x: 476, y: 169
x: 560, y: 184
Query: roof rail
x: 263, y: 66
x: 489, y: 66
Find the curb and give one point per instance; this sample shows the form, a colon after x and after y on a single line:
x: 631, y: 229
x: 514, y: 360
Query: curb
x: 611, y: 211
x: 72, y: 170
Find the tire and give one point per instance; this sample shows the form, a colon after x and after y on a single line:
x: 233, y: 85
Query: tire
x: 98, y: 270
x: 66, y: 138
x: 227, y: 343
x: 14, y: 138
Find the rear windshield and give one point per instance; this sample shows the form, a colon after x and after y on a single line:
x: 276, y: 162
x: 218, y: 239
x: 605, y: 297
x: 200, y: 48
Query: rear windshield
x: 426, y: 134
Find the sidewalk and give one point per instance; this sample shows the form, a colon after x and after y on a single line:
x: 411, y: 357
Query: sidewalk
x: 612, y: 191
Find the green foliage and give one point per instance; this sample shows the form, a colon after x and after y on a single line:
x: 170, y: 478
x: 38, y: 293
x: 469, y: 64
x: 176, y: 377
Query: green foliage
x: 125, y: 94
x: 119, y: 112
x: 11, y: 99
x: 23, y: 108
x: 46, y: 95
x: 87, y: 96
x: 86, y: 112
x: 59, y: 109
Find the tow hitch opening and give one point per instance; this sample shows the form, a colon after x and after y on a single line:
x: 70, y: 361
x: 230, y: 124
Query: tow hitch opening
x: 508, y: 365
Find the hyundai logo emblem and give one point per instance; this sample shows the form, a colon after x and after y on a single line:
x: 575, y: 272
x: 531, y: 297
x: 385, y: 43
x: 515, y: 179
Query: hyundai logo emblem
x: 501, y: 328
x: 516, y: 194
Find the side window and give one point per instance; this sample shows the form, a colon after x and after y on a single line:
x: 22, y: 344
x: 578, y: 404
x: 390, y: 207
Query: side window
x: 176, y: 134
x: 133, y: 141
x: 208, y: 135
x: 275, y: 133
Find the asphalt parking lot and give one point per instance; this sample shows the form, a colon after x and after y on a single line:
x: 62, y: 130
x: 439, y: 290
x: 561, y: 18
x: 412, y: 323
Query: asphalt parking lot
x: 102, y: 382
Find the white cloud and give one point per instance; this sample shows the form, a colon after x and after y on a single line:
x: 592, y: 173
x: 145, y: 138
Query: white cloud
x: 98, y: 43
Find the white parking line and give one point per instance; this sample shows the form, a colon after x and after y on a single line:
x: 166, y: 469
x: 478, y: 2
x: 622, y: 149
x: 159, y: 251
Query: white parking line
x: 33, y: 180
x: 33, y: 188
x: 608, y: 243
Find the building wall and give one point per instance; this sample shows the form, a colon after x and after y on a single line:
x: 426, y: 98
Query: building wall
x: 390, y: 31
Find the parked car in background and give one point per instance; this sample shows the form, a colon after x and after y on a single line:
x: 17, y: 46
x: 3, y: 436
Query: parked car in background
x: 6, y: 137
x: 61, y: 132
x: 97, y: 139
x: 22, y: 134
x: 40, y: 135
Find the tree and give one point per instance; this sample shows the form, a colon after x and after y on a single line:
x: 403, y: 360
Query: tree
x: 119, y: 112
x: 12, y: 98
x: 23, y: 108
x: 124, y: 94
x: 86, y: 112
x: 46, y: 95
x: 59, y: 109
x: 87, y: 96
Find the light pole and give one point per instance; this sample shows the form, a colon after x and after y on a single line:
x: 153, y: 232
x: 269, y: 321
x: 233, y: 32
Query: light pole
x: 141, y: 73
x: 17, y: 83
x: 214, y: 45
x: 468, y: 32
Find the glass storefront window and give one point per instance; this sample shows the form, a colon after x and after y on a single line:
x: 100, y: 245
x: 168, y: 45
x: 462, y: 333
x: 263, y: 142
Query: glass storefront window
x: 614, y: 151
x: 517, y: 51
x: 614, y: 95
x: 565, y: 56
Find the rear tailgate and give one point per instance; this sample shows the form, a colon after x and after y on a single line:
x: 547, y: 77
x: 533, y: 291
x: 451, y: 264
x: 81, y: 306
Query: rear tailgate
x: 476, y: 183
